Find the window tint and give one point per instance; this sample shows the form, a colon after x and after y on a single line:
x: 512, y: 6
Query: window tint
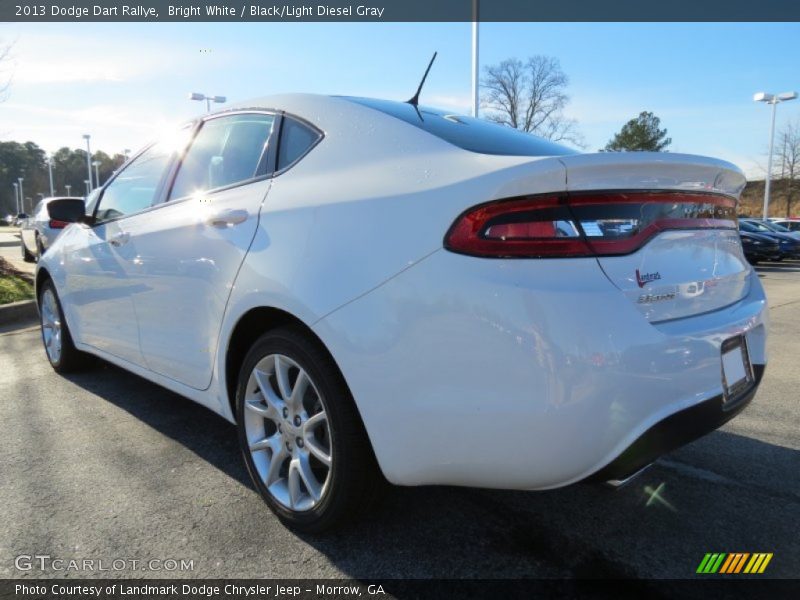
x: 135, y: 188
x: 296, y: 139
x: 225, y: 151
x: 475, y: 135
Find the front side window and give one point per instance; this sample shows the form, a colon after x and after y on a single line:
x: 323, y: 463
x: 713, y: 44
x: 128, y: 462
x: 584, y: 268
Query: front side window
x: 226, y: 151
x: 135, y: 188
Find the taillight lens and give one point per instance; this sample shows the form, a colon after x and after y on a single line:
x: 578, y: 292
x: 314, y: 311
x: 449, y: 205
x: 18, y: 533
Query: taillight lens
x: 56, y: 224
x: 585, y: 224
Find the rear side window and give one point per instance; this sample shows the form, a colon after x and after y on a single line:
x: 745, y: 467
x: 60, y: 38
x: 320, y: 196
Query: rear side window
x: 475, y: 135
x: 226, y: 151
x: 296, y: 140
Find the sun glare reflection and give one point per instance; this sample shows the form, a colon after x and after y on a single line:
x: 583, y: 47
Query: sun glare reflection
x: 655, y: 497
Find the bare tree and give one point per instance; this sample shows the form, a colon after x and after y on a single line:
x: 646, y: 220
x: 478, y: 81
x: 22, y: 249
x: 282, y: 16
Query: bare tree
x: 788, y: 153
x: 5, y: 69
x: 530, y: 96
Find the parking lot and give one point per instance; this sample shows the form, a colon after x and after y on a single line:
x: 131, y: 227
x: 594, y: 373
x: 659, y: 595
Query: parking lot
x: 104, y: 465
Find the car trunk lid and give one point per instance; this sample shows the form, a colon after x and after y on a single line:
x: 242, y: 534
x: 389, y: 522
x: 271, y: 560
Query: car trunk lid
x: 663, y: 227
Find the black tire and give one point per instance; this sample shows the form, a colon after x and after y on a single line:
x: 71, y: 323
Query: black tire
x: 26, y: 255
x: 70, y: 359
x: 354, y: 478
x: 39, y: 248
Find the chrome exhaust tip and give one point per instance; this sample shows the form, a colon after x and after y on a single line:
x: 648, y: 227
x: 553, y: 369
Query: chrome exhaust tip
x: 620, y: 483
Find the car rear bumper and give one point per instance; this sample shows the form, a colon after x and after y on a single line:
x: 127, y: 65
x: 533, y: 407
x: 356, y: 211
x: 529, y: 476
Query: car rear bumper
x: 523, y: 374
x: 677, y: 430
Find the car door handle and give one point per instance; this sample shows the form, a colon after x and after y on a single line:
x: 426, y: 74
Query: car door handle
x: 225, y: 218
x: 120, y: 239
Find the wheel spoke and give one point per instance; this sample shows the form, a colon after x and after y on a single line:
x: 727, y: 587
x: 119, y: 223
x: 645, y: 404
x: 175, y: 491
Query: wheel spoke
x: 259, y: 409
x: 321, y: 454
x: 307, y: 475
x: 274, y: 404
x: 282, y: 377
x: 279, y: 456
x: 294, y: 483
x: 273, y: 441
x: 299, y: 390
x: 312, y: 443
x: 314, y: 422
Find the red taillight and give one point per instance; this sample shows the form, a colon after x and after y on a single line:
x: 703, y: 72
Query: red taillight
x: 583, y: 224
x: 56, y: 224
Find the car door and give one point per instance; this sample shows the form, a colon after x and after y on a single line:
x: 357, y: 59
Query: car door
x: 99, y: 291
x: 185, y: 254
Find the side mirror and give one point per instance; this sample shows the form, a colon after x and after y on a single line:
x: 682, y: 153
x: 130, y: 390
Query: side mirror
x: 68, y: 210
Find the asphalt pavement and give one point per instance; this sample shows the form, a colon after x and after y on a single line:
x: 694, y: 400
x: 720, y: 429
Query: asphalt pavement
x: 104, y: 465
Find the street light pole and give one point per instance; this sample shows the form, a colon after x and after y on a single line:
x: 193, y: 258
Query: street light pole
x: 16, y: 197
x: 475, y: 64
x: 774, y: 100
x: 88, y: 184
x: 50, y: 169
x: 769, y: 160
x: 208, y: 99
x: 86, y: 136
x: 69, y: 187
x: 96, y: 164
x: 21, y: 196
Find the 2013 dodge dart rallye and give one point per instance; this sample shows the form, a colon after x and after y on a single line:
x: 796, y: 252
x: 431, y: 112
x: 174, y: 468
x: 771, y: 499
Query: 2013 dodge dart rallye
x: 373, y: 289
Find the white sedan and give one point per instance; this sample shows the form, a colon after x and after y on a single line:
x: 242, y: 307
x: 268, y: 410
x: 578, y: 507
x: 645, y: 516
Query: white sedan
x: 371, y: 289
x: 39, y: 231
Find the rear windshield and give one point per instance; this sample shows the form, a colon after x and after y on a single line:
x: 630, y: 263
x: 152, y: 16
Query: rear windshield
x: 475, y: 135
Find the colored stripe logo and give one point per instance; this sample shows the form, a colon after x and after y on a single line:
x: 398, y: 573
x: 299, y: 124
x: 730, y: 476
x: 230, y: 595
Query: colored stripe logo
x: 734, y: 562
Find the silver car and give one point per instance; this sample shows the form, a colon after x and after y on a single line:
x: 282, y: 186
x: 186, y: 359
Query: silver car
x: 792, y: 224
x: 39, y: 231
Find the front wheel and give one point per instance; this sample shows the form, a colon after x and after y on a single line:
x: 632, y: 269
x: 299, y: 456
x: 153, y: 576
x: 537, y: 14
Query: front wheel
x: 302, y: 438
x: 58, y: 345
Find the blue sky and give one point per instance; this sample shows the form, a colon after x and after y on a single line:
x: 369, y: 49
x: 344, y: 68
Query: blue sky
x: 123, y: 83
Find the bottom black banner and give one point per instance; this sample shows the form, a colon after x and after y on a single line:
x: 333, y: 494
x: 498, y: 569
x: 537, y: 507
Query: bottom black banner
x: 344, y: 589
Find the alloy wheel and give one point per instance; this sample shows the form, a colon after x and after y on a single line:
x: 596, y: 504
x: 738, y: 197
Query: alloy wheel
x: 51, y: 326
x: 288, y: 434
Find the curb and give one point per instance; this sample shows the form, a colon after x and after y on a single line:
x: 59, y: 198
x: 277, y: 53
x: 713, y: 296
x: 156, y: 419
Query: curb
x: 13, y: 312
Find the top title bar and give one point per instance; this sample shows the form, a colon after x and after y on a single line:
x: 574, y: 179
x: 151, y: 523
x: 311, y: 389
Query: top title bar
x: 402, y: 10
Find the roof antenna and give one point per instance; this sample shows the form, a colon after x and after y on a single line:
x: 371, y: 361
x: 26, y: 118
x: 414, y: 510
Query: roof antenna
x: 415, y: 100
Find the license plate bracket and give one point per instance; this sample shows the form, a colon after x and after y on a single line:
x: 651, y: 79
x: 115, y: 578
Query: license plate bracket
x: 737, y: 371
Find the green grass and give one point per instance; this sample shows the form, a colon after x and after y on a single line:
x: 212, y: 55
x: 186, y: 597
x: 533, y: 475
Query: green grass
x: 13, y: 289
